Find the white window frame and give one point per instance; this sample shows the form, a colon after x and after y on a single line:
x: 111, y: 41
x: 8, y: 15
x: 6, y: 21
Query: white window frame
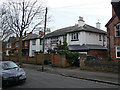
x: 26, y: 43
x: 117, y: 51
x: 17, y: 44
x: 33, y: 52
x: 33, y: 42
x: 117, y: 30
x: 75, y: 36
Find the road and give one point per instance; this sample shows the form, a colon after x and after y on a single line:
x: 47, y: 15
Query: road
x: 37, y: 79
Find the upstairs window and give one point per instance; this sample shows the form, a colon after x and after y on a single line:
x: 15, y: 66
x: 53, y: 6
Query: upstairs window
x: 104, y: 38
x: 74, y: 37
x: 17, y: 44
x: 100, y: 38
x: 33, y: 42
x: 41, y: 41
x: 26, y: 43
x: 118, y: 52
x: 117, y: 30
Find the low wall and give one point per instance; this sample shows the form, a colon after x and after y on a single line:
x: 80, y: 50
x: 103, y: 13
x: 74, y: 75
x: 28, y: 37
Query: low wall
x: 99, y: 65
x: 59, y: 60
x: 56, y: 59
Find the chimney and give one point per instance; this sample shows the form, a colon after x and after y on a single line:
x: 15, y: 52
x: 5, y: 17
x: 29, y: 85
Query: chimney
x: 30, y: 33
x: 98, y: 25
x: 41, y: 33
x: 17, y: 37
x: 81, y: 22
x: 25, y: 34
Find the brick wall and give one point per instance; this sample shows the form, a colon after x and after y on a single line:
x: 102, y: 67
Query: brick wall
x: 99, y: 54
x: 99, y: 65
x: 114, y: 41
x: 59, y: 60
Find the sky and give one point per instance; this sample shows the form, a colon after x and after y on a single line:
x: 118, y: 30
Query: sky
x: 66, y: 13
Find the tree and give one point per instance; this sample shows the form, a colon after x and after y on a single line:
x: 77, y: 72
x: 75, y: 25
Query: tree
x: 64, y: 46
x: 22, y: 16
x: 5, y: 31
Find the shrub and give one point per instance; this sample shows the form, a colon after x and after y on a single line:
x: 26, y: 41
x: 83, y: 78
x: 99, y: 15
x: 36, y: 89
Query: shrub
x: 71, y: 57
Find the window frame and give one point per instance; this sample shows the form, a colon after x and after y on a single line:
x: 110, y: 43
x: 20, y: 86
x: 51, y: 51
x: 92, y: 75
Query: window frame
x: 33, y: 42
x: 117, y: 51
x: 33, y: 53
x: 26, y: 43
x: 75, y: 36
x: 100, y: 37
x: 117, y: 30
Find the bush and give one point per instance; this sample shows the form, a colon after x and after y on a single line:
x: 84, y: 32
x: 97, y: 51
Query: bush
x: 72, y: 57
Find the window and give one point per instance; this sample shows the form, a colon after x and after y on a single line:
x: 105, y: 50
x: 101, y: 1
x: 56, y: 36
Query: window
x: 104, y: 38
x: 74, y: 37
x: 17, y: 44
x: 33, y: 42
x: 41, y: 42
x: 100, y: 38
x: 118, y: 52
x: 117, y: 30
x: 26, y: 43
x: 33, y: 52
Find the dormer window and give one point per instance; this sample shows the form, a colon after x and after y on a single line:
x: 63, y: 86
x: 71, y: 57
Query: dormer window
x: 117, y: 30
x: 74, y: 37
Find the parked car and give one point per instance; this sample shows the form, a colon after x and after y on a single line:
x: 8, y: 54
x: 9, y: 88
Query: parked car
x: 11, y: 73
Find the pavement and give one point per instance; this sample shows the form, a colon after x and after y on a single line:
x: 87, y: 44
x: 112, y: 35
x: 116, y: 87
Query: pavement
x: 109, y: 78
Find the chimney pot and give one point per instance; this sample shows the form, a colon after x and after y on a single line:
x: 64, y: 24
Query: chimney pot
x: 81, y: 22
x: 98, y: 25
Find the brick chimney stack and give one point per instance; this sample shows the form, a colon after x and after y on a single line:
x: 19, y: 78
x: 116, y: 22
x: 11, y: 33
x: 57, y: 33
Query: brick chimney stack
x: 17, y: 37
x: 41, y: 33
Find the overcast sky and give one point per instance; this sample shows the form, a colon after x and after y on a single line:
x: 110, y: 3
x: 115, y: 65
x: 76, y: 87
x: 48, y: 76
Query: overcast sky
x: 66, y: 12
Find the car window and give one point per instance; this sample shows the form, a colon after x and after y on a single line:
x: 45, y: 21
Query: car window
x: 8, y: 65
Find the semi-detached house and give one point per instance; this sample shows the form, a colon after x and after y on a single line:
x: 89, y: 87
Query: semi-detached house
x: 81, y: 37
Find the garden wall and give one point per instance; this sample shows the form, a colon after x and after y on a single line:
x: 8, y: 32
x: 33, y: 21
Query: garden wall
x: 99, y: 65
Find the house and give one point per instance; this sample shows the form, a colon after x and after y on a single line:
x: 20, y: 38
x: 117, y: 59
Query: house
x: 10, y: 46
x: 36, y: 44
x: 81, y: 37
x: 113, y: 35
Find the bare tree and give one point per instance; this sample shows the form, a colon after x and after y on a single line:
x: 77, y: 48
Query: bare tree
x: 5, y: 31
x: 23, y: 16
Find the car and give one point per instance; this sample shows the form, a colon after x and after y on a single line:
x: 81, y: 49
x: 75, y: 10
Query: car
x: 11, y: 73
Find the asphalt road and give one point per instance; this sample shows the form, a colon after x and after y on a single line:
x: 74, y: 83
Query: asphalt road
x: 37, y: 79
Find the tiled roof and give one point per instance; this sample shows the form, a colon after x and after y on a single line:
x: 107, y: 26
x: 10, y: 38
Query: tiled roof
x: 86, y: 47
x: 30, y: 37
x: 75, y: 28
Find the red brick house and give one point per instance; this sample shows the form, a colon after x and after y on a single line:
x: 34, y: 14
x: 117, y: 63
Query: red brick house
x: 113, y: 36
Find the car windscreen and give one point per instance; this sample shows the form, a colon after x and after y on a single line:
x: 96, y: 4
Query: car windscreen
x: 9, y: 65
